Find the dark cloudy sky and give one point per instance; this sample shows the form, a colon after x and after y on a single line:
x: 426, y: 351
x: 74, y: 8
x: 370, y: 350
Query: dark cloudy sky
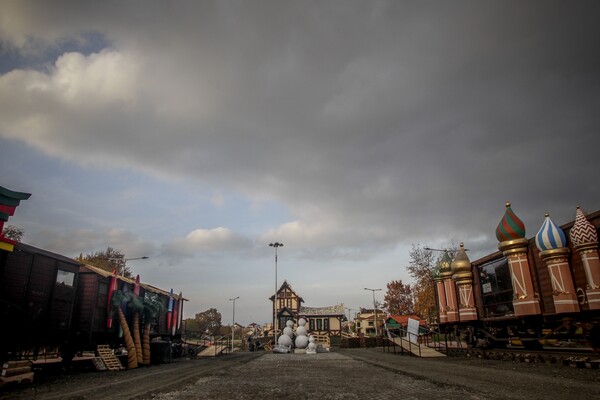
x: 198, y: 132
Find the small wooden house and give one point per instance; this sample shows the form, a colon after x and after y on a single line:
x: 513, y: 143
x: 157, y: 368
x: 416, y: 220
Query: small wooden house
x: 398, y: 323
x: 325, y: 321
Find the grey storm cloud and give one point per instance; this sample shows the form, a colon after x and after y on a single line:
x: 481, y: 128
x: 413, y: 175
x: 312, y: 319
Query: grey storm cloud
x: 376, y: 123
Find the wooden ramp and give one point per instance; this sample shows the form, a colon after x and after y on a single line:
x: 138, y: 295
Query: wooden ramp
x: 416, y: 349
x: 212, y: 351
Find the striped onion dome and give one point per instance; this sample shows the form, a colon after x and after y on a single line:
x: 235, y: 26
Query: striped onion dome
x: 444, y: 266
x: 582, y: 231
x: 550, y: 236
x: 510, y: 227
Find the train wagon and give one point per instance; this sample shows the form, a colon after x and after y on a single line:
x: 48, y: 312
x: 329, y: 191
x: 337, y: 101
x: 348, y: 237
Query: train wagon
x: 51, y: 301
x: 536, y: 292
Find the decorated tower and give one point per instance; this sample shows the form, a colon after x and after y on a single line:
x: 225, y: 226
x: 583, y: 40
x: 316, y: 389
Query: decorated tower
x: 552, y: 243
x: 449, y: 289
x: 585, y: 241
x: 463, y: 277
x: 9, y: 201
x: 511, y: 235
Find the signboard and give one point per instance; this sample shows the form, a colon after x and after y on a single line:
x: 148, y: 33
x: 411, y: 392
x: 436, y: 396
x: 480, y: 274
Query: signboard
x: 413, y: 330
x: 486, y: 287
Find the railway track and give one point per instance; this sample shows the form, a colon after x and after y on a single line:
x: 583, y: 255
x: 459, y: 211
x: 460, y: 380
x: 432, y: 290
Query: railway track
x: 133, y: 384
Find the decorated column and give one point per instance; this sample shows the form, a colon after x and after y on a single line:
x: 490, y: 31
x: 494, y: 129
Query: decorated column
x: 511, y: 235
x: 585, y: 241
x: 441, y: 294
x: 463, y: 276
x: 449, y: 289
x: 552, y: 243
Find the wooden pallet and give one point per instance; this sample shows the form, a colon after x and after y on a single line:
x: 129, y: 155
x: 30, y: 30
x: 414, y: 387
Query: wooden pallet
x: 109, y: 359
x: 16, y: 372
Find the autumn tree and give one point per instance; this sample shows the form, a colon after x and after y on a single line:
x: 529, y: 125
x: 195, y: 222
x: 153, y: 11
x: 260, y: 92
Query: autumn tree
x: 108, y: 260
x: 13, y: 232
x: 208, y: 321
x: 399, y: 298
x: 421, y: 268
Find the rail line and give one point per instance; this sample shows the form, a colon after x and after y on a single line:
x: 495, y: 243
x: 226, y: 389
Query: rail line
x: 141, y: 383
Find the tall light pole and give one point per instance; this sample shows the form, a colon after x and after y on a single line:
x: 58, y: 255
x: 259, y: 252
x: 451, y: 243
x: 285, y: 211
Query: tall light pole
x: 374, y: 308
x: 233, y: 323
x: 349, y: 312
x: 275, y: 322
x: 125, y: 261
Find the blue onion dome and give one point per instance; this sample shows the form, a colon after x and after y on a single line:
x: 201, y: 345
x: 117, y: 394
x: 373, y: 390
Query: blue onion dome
x: 582, y: 232
x: 550, y: 236
x: 510, y: 226
x: 461, y: 267
x: 444, y: 266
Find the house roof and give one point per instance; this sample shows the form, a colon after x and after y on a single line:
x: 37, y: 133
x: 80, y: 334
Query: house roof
x: 284, y: 285
x: 403, y: 319
x: 146, y: 286
x: 337, y: 309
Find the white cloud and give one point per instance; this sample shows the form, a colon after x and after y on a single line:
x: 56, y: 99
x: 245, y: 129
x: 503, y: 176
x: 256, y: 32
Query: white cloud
x: 86, y: 241
x: 209, y: 240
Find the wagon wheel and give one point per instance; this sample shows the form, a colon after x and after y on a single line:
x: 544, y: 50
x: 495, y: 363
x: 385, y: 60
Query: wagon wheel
x: 268, y: 347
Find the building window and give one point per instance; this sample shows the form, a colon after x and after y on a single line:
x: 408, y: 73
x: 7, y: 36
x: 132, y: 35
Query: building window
x: 326, y: 324
x: 370, y: 323
x: 65, y: 278
x: 319, y: 324
x: 358, y: 324
x: 311, y: 324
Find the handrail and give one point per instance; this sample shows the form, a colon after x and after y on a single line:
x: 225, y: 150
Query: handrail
x: 426, y: 337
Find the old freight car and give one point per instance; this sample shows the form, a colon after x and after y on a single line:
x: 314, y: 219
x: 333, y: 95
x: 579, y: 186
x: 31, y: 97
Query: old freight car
x: 51, y: 301
x: 542, y: 291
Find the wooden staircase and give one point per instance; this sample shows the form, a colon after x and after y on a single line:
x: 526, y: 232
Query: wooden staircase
x: 109, y: 358
x: 16, y: 372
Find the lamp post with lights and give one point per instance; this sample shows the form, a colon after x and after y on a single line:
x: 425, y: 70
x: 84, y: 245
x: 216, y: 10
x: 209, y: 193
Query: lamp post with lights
x: 374, y: 308
x: 233, y: 323
x: 276, y: 245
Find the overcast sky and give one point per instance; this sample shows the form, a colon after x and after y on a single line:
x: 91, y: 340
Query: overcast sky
x: 196, y: 133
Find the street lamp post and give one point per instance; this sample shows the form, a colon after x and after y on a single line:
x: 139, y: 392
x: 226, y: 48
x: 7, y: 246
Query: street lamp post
x: 122, y: 273
x: 233, y: 323
x: 374, y: 308
x: 275, y: 322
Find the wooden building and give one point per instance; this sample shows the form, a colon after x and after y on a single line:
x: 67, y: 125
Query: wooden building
x: 399, y: 323
x: 287, y: 307
x: 365, y: 322
x: 322, y: 321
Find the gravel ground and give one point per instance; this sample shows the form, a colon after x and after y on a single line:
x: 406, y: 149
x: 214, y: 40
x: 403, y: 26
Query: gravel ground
x: 358, y: 374
x: 342, y: 374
